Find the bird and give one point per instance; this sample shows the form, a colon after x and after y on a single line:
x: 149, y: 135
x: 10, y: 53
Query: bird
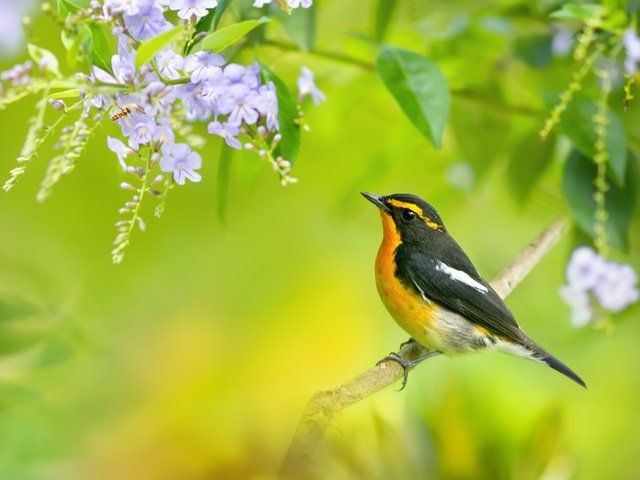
x: 433, y: 291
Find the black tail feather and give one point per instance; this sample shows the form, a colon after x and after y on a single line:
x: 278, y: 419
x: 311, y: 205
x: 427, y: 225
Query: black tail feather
x: 563, y: 369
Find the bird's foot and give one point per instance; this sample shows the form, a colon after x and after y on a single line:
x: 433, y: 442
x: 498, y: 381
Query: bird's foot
x: 407, y: 364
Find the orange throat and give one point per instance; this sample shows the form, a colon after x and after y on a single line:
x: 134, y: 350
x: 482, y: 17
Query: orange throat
x: 407, y: 308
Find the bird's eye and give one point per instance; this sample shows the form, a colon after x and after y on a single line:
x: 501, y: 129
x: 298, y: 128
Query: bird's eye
x: 408, y: 215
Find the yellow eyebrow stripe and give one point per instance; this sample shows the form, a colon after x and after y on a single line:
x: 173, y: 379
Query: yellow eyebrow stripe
x: 414, y: 208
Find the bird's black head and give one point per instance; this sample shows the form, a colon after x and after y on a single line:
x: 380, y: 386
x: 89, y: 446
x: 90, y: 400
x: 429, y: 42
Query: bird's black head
x: 407, y: 215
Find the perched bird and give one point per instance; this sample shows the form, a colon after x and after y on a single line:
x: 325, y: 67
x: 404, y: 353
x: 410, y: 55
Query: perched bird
x: 434, y: 292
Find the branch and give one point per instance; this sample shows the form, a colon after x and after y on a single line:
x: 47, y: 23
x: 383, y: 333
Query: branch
x: 324, y: 406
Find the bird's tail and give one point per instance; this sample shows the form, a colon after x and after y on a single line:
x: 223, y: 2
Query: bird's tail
x: 528, y: 349
x: 557, y: 365
x: 542, y: 355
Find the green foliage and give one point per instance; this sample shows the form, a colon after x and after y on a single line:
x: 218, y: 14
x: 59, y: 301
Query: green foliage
x: 420, y: 89
x: 382, y: 19
x: 100, y: 54
x: 287, y: 117
x: 150, y: 48
x: 579, y: 189
x: 300, y: 25
x: 224, y: 37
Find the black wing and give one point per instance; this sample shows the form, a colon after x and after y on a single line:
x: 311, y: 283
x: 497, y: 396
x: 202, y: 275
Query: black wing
x: 422, y: 271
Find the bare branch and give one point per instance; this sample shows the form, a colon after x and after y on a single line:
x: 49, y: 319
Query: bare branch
x: 324, y: 406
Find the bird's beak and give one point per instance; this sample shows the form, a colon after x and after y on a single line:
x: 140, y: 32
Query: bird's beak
x: 376, y: 200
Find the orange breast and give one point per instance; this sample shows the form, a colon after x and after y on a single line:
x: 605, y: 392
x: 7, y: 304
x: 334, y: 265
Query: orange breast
x: 407, y: 308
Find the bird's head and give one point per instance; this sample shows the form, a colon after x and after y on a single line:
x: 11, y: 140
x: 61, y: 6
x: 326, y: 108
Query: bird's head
x: 408, y: 216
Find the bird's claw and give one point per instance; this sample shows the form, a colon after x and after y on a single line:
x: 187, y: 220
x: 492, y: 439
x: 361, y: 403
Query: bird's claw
x: 407, y: 364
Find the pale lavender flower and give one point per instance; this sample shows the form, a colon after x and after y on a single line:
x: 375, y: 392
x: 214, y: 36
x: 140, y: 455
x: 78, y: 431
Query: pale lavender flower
x: 11, y: 13
x: 585, y: 268
x: 237, y: 74
x: 190, y: 8
x: 239, y: 104
x: 618, y: 287
x: 169, y: 62
x: 267, y: 104
x: 578, y: 301
x: 307, y: 86
x: 562, y: 41
x: 591, y: 278
x: 261, y: 3
x: 227, y: 131
x: 143, y: 131
x: 120, y: 149
x: 148, y: 22
x: 198, y: 107
x: 129, y: 7
x: 18, y: 74
x: 299, y: 3
x: 203, y: 65
x: 180, y: 160
x: 632, y: 47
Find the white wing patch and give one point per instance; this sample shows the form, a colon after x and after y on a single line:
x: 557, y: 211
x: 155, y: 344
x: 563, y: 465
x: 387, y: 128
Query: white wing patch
x: 460, y: 276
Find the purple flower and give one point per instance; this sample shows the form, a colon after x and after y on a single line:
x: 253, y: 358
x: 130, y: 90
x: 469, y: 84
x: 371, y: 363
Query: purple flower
x: 143, y: 131
x: 239, y: 104
x: 130, y: 7
x: 307, y: 86
x: 299, y: 3
x: 618, y: 288
x: 585, y: 268
x: 632, y: 46
x: 169, y: 62
x: 11, y: 14
x: 148, y: 22
x: 591, y: 277
x: 562, y: 41
x: 182, y: 162
x: 203, y: 65
x: 235, y: 74
x: 578, y: 300
x: 120, y: 149
x: 227, y: 131
x: 267, y: 104
x: 192, y: 8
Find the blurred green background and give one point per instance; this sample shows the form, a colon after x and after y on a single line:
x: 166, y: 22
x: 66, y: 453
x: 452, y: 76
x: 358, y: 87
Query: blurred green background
x: 195, y: 358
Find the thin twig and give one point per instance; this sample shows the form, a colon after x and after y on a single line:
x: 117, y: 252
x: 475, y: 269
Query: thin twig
x: 324, y: 406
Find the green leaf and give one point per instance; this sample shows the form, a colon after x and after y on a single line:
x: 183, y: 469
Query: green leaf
x: 581, y: 11
x: 420, y: 89
x: 578, y: 189
x: 300, y: 25
x: 71, y: 93
x: 529, y: 160
x: 535, y: 50
x: 150, y: 48
x: 100, y: 55
x: 222, y: 6
x: 384, y: 13
x: 42, y: 55
x: 66, y: 6
x: 287, y: 116
x: 490, y: 131
x: 577, y: 124
x: 226, y: 36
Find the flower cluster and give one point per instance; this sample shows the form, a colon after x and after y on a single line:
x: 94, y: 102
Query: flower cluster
x: 593, y: 281
x: 153, y: 89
